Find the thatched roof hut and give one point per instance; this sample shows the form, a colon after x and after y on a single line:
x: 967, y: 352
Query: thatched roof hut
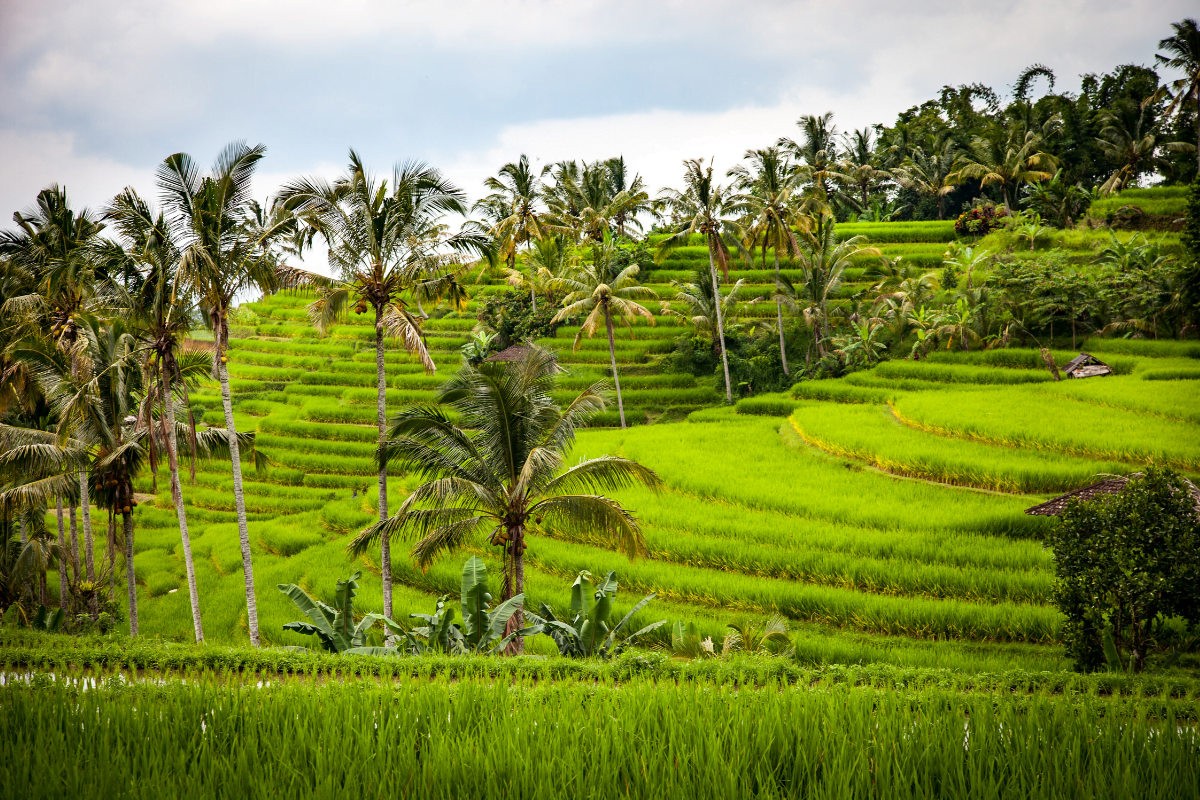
x: 1114, y: 485
x: 1086, y: 365
x: 516, y: 352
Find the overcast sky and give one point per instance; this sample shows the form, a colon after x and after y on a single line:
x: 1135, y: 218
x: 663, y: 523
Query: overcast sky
x: 94, y: 94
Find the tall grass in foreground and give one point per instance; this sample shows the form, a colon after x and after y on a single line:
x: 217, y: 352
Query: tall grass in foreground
x: 472, y: 738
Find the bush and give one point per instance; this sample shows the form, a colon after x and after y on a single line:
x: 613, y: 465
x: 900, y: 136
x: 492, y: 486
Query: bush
x: 511, y: 317
x: 1126, y: 564
x: 981, y: 220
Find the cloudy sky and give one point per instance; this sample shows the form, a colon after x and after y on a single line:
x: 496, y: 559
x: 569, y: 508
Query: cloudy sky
x: 93, y: 94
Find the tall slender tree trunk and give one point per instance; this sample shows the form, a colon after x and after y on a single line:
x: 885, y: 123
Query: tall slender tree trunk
x: 779, y: 315
x: 385, y: 544
x: 130, y: 574
x: 177, y: 499
x: 712, y: 271
x: 74, y: 551
x: 515, y: 586
x: 612, y: 359
x: 27, y: 587
x: 85, y: 504
x: 64, y: 580
x: 239, y: 498
x: 111, y: 547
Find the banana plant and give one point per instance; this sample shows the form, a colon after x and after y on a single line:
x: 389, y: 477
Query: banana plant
x: 483, y: 627
x: 590, y: 631
x: 482, y: 631
x: 334, y: 625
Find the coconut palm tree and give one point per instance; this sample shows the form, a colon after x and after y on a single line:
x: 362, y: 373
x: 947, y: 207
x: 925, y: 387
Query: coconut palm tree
x: 818, y: 152
x: 862, y: 174
x: 513, y: 207
x: 704, y: 207
x: 499, y: 470
x: 221, y: 258
x: 161, y: 315
x: 600, y: 292
x: 53, y: 280
x: 1008, y: 158
x: 966, y: 259
x: 823, y: 261
x: 384, y: 242
x: 636, y: 198
x: 701, y: 309
x: 1129, y: 140
x: 930, y: 172
x: 1183, y: 54
x: 768, y: 186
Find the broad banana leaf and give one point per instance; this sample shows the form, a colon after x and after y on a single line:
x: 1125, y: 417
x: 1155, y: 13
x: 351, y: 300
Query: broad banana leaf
x: 641, y: 604
x: 373, y: 651
x: 500, y: 616
x: 475, y: 598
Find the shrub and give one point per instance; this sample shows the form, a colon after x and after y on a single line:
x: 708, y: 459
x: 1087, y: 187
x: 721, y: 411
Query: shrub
x: 981, y: 220
x: 1126, y: 564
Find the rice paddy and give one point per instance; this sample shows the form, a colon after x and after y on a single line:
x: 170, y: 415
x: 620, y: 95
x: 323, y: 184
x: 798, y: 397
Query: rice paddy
x: 881, y: 515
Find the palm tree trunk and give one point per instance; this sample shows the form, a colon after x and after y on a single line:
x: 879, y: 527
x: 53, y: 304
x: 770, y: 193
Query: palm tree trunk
x: 385, y: 545
x: 516, y: 545
x: 111, y: 549
x: 64, y: 580
x: 88, y: 554
x: 239, y: 499
x: 74, y: 550
x: 612, y: 359
x: 779, y: 315
x: 712, y: 271
x: 177, y: 499
x: 130, y: 575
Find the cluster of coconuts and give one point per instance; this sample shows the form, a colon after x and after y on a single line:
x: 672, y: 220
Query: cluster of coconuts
x: 128, y: 505
x: 61, y: 324
x: 360, y: 307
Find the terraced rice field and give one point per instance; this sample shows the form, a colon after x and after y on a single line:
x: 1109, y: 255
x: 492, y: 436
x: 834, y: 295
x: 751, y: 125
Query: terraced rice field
x: 881, y: 514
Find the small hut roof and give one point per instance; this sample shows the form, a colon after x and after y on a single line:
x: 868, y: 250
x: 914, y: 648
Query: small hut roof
x: 1084, y: 360
x: 516, y: 352
x: 519, y: 352
x: 1116, y: 485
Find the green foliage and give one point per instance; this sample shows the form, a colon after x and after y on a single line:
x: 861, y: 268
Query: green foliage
x: 1127, y: 564
x: 334, y: 625
x: 590, y: 631
x: 511, y: 317
x: 832, y: 739
x: 980, y: 220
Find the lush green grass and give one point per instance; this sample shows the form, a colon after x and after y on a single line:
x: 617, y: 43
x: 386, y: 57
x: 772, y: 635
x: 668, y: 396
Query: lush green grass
x: 476, y: 737
x: 1026, y: 417
x: 1154, y: 200
x: 873, y: 435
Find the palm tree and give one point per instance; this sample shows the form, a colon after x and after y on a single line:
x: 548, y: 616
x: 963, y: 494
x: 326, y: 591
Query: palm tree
x: 966, y: 259
x: 957, y: 324
x: 767, y: 195
x: 513, y: 208
x: 207, y: 216
x: 698, y: 299
x: 1008, y: 159
x: 383, y: 242
x: 930, y: 173
x: 1128, y: 140
x: 601, y: 293
x: 823, y: 261
x: 818, y: 152
x: 52, y: 259
x: 162, y: 313
x: 1183, y: 54
x: 859, y: 167
x: 500, y: 468
x: 636, y: 198
x: 702, y: 207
